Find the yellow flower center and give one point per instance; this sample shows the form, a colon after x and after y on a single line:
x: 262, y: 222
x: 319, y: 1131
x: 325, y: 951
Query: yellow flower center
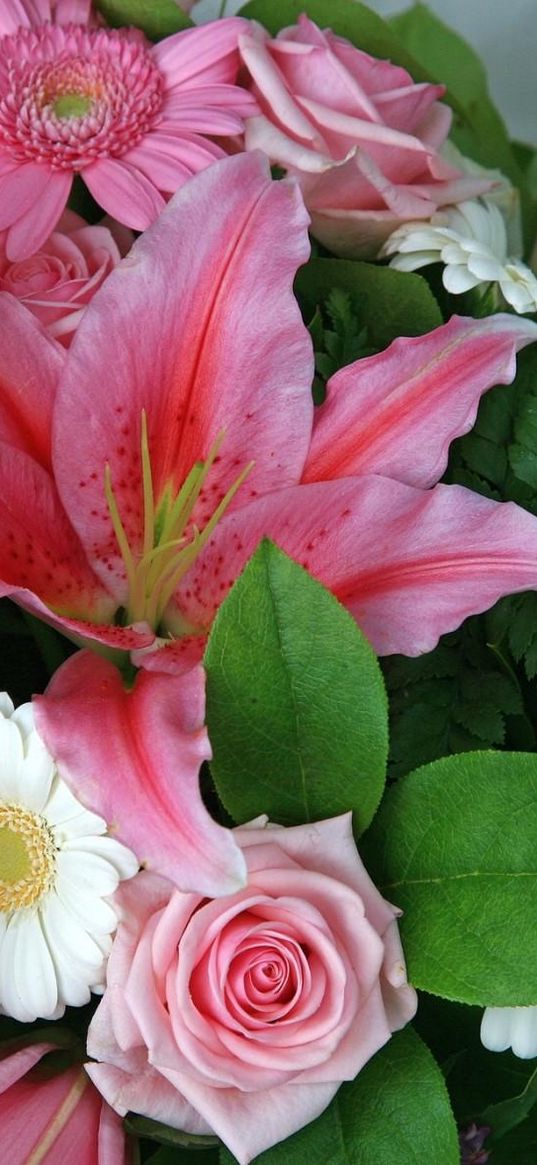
x: 71, y: 105
x: 27, y: 857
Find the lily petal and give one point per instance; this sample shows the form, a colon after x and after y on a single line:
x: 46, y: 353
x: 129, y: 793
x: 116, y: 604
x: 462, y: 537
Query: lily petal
x: 435, y: 557
x: 396, y: 413
x: 222, y: 349
x: 30, y: 366
x: 133, y: 757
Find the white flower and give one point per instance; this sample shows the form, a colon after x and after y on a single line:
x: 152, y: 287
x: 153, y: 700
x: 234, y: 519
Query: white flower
x: 510, y: 1027
x: 56, y: 873
x: 471, y: 240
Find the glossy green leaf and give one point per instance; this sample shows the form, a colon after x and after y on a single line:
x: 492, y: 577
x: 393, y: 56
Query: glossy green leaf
x: 296, y: 706
x: 454, y: 846
x: 143, y: 1126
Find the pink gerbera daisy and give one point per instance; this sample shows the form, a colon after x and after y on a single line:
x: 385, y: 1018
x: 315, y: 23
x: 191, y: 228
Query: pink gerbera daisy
x: 128, y: 116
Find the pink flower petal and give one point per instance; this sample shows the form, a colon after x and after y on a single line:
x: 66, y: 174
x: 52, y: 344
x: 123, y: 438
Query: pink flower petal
x: 397, y: 413
x: 39, y: 550
x: 123, y: 191
x: 16, y: 1063
x: 409, y: 564
x: 200, y: 56
x: 211, y: 277
x: 37, y: 221
x: 28, y: 358
x: 134, y: 756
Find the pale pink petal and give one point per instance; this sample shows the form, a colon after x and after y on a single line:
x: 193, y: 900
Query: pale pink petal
x: 211, y: 277
x: 436, y: 556
x: 30, y: 367
x: 146, y: 1092
x: 29, y: 231
x: 123, y: 191
x: 133, y: 757
x: 397, y: 413
x: 235, y: 1116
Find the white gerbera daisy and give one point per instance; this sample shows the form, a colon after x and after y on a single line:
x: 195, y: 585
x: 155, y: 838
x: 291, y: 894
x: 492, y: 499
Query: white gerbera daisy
x: 471, y: 240
x: 510, y: 1027
x: 56, y: 873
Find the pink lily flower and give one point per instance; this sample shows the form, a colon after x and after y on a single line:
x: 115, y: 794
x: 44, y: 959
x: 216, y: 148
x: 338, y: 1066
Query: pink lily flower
x: 129, y: 117
x: 183, y: 432
x: 51, y: 1119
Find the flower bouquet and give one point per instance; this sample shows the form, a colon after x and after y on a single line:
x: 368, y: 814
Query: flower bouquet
x: 268, y: 462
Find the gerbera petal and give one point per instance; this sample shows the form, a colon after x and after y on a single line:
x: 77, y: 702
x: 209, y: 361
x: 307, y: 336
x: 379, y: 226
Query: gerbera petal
x: 124, y: 192
x: 28, y: 358
x: 434, y: 558
x: 11, y: 759
x: 397, y: 413
x: 200, y: 56
x: 211, y: 277
x: 32, y: 228
x: 153, y: 741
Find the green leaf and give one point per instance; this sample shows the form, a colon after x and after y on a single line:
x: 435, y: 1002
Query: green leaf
x: 296, y: 707
x: 508, y: 1114
x: 458, y: 697
x: 478, y: 129
x: 388, y: 303
x: 178, y: 1156
x: 157, y: 18
x: 454, y: 846
x: 396, y: 1112
x: 143, y: 1126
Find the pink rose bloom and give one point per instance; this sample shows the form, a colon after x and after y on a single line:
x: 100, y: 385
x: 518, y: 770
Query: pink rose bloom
x: 55, y: 1119
x: 132, y: 119
x: 59, y: 280
x: 242, y: 1015
x: 360, y: 137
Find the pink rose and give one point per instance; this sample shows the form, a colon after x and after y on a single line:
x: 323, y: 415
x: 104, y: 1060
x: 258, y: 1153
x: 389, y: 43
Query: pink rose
x: 360, y: 137
x: 242, y: 1015
x: 59, y: 280
x: 55, y: 1118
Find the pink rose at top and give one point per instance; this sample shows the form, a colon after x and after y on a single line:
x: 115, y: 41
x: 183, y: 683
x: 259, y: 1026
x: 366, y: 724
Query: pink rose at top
x: 243, y: 1015
x: 55, y: 1119
x: 57, y: 282
x: 140, y: 469
x: 129, y: 117
x: 361, y: 138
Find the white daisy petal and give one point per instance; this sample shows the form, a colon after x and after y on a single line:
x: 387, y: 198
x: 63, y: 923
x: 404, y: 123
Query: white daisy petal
x: 98, y: 914
x: 6, y: 705
x: 471, y: 240
x: 28, y: 986
x: 58, y: 870
x: 11, y: 757
x: 112, y: 852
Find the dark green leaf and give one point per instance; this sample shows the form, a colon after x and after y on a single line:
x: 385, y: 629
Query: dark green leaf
x: 143, y: 1126
x: 296, y: 706
x: 388, y: 303
x: 396, y: 1112
x: 157, y: 18
x: 454, y: 846
x: 505, y: 1115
